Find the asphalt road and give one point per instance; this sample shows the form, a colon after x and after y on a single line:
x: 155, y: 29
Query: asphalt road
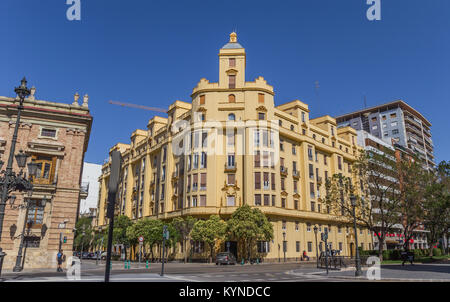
x: 194, y: 272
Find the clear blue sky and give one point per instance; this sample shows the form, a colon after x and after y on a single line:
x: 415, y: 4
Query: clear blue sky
x: 154, y: 52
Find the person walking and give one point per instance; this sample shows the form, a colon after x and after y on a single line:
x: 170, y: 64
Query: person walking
x: 60, y: 258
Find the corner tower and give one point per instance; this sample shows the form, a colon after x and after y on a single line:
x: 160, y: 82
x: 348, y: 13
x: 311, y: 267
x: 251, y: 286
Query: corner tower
x: 232, y: 64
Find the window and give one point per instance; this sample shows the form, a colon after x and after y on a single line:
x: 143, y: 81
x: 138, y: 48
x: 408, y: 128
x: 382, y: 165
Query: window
x: 266, y: 199
x: 339, y: 163
x: 311, y: 171
x: 230, y: 201
x: 273, y: 200
x: 231, y: 81
x: 296, y: 204
x: 257, y: 159
x: 257, y: 200
x: 257, y: 180
x: 202, y: 200
x: 231, y: 160
x: 395, y: 131
x: 309, y: 246
x: 231, y: 179
x: 393, y: 115
x: 231, y: 98
x: 394, y: 124
x: 48, y: 132
x: 231, y: 117
x: 202, y: 100
x: 35, y: 213
x: 282, y: 184
x: 194, y: 201
x: 297, y: 246
x: 261, y: 116
x: 313, y: 206
x: 232, y: 62
x: 296, y: 226
x: 195, y: 161
x: 261, y: 98
x: 272, y: 176
x: 311, y: 190
x: 340, y: 246
x: 283, y: 202
x: 266, y: 180
x: 263, y: 246
x: 45, y: 169
x: 194, y: 182
x: 310, y: 155
x: 198, y: 247
x: 31, y: 241
x: 283, y: 225
x: 303, y: 117
x: 308, y: 227
x: 294, y: 150
x: 203, y: 181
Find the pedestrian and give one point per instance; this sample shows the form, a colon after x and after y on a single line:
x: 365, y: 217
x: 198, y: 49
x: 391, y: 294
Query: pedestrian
x: 60, y: 258
x: 305, y: 256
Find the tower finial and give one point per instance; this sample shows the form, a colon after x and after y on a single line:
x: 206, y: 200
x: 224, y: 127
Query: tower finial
x: 233, y: 37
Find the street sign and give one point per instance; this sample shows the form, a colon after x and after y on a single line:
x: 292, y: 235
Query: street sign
x: 141, y: 239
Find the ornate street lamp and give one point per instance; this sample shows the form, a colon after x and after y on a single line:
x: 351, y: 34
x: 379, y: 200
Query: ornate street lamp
x: 9, y: 180
x: 358, y: 260
x: 317, y: 252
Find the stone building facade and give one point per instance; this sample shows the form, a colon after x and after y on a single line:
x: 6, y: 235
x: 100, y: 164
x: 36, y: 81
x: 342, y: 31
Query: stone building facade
x: 229, y: 146
x: 56, y: 136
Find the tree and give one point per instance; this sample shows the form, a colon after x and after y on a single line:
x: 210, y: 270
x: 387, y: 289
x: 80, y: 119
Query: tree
x: 121, y: 224
x: 436, y: 206
x: 184, y: 228
x: 378, y: 199
x: 209, y: 231
x: 414, y: 180
x: 83, y: 226
x: 248, y: 225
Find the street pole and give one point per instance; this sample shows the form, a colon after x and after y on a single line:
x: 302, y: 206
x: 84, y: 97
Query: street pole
x: 18, y: 267
x: 358, y: 260
x: 8, y: 181
x: 163, y: 249
x: 317, y: 253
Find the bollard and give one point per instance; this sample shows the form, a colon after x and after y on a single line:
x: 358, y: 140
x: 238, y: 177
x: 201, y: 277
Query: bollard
x: 146, y: 264
x: 129, y: 264
x: 257, y: 260
x: 125, y: 264
x: 242, y: 262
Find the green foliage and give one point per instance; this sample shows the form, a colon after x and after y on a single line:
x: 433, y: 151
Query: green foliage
x: 83, y: 225
x: 437, y: 252
x: 209, y: 231
x: 121, y: 223
x: 248, y: 225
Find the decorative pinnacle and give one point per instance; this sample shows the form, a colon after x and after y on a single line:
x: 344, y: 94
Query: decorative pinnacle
x: 233, y: 37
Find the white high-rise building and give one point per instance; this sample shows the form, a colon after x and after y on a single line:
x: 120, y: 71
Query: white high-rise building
x: 89, y: 184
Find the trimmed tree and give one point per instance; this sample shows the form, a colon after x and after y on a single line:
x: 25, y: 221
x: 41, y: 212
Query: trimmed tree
x: 248, y: 225
x: 184, y: 228
x: 209, y: 231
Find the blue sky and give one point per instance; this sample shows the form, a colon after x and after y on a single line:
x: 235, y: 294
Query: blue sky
x: 154, y: 52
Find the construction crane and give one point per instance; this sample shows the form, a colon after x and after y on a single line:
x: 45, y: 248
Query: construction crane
x: 138, y: 106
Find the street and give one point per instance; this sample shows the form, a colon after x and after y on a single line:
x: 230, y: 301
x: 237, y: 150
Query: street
x: 201, y: 272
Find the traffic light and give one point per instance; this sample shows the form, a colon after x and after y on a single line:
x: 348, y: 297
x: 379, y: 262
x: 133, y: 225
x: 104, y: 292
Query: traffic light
x: 65, y: 239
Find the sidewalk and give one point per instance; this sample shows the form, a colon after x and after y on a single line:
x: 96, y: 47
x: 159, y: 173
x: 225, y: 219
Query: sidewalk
x: 391, y: 272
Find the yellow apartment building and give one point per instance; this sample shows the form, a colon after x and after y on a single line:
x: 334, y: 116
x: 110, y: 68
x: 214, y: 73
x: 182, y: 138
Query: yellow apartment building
x: 229, y: 146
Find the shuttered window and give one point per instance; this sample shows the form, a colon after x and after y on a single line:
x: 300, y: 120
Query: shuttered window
x: 202, y: 99
x: 231, y: 98
x: 257, y: 180
x: 261, y: 98
x: 232, y: 81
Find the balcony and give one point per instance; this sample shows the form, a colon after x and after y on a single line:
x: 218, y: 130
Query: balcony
x: 84, y: 190
x: 283, y: 170
x: 296, y: 174
x: 230, y: 167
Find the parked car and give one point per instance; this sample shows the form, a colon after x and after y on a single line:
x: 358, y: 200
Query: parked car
x: 225, y: 258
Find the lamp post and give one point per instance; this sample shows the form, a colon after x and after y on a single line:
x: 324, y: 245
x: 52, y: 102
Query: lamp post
x: 317, y: 253
x: 284, y: 246
x: 357, y: 260
x: 9, y: 180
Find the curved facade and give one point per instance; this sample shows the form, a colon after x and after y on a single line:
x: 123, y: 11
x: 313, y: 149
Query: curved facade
x: 231, y: 146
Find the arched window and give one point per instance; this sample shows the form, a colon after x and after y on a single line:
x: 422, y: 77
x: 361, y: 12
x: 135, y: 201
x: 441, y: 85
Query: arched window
x: 231, y: 117
x: 231, y: 98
